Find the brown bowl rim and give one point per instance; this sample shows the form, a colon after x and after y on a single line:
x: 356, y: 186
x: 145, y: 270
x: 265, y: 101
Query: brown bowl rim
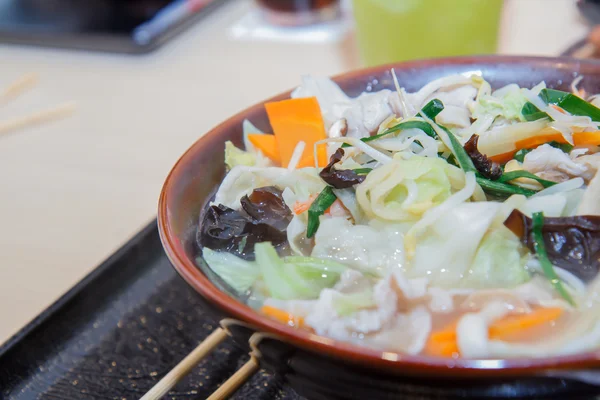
x: 414, y: 364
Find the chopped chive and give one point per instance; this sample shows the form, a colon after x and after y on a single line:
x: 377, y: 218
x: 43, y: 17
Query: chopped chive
x: 362, y: 170
x: 509, y: 176
x: 434, y: 107
x: 317, y: 208
x: 552, y: 96
x: 520, y: 155
x: 570, y: 103
x: 501, y: 189
x: 540, y: 249
x: 452, y: 160
x: 532, y: 113
x: 463, y: 159
x: 565, y: 147
x: 424, y: 126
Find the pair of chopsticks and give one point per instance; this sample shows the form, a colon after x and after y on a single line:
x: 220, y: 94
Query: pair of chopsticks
x: 16, y: 89
x: 191, y: 360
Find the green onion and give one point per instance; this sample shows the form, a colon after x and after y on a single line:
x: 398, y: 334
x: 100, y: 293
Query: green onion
x: 463, y: 159
x: 434, y: 107
x: 532, y: 113
x: 496, y: 188
x: 509, y: 176
x: 520, y: 155
x: 317, y: 208
x: 502, y: 189
x: 460, y: 153
x: 552, y: 96
x: 452, y: 160
x: 424, y: 126
x: 540, y: 249
x: 565, y: 147
x: 570, y: 103
x: 362, y: 170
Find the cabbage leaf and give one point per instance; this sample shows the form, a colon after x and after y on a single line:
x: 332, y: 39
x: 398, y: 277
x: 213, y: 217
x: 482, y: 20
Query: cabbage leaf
x: 236, y: 272
x: 235, y: 156
x: 295, y: 277
x: 404, y: 189
x: 499, y: 261
x: 508, y: 105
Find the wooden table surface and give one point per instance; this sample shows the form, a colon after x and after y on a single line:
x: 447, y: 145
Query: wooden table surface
x: 74, y: 190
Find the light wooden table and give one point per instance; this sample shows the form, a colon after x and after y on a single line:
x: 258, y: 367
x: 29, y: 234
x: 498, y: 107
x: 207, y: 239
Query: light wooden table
x: 75, y: 190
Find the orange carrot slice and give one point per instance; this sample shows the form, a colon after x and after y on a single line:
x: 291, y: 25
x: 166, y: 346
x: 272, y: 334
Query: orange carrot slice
x: 536, y: 141
x: 587, y: 138
x: 444, y: 348
x: 443, y: 343
x: 296, y: 120
x: 267, y: 144
x: 504, y: 157
x: 309, y: 161
x: 547, y: 136
x: 513, y: 324
x: 282, y: 316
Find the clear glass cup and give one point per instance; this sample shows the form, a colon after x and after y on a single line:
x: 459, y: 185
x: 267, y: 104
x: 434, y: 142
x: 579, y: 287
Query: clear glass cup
x: 299, y: 12
x: 399, y: 30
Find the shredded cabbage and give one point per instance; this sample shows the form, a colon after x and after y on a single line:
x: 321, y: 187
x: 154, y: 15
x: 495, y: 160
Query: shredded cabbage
x: 370, y: 249
x: 499, y: 262
x: 445, y: 251
x: 235, y: 156
x: 295, y: 277
x: 236, y: 272
x: 506, y: 103
x: 404, y: 189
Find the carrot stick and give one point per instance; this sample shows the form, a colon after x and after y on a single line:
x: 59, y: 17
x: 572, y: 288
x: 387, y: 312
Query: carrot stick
x: 547, y: 136
x: 511, y: 325
x: 444, y: 348
x: 587, y: 138
x: 443, y: 343
x: 282, y: 316
x: 302, y: 206
x: 536, y: 141
x: 504, y: 157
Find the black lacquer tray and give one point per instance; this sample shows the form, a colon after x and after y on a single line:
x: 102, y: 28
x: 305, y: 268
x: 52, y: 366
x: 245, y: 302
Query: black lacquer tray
x: 118, y: 331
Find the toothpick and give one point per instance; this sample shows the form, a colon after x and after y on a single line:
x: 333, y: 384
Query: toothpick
x: 36, y: 118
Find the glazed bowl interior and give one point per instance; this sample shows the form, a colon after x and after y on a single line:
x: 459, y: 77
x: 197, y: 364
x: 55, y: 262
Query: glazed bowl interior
x: 200, y: 170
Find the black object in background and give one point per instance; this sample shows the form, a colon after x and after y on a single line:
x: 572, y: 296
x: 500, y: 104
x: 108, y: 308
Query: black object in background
x: 590, y: 9
x: 118, y: 332
x: 102, y: 25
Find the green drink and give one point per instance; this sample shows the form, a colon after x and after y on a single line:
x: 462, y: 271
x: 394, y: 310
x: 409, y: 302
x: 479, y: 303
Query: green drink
x: 398, y: 30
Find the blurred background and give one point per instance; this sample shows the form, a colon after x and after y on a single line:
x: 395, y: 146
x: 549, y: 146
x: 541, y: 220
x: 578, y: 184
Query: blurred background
x: 98, y: 99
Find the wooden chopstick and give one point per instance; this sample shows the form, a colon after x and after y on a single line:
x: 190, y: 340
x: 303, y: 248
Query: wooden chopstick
x: 186, y: 365
x: 36, y: 118
x: 18, y: 87
x: 236, y: 380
